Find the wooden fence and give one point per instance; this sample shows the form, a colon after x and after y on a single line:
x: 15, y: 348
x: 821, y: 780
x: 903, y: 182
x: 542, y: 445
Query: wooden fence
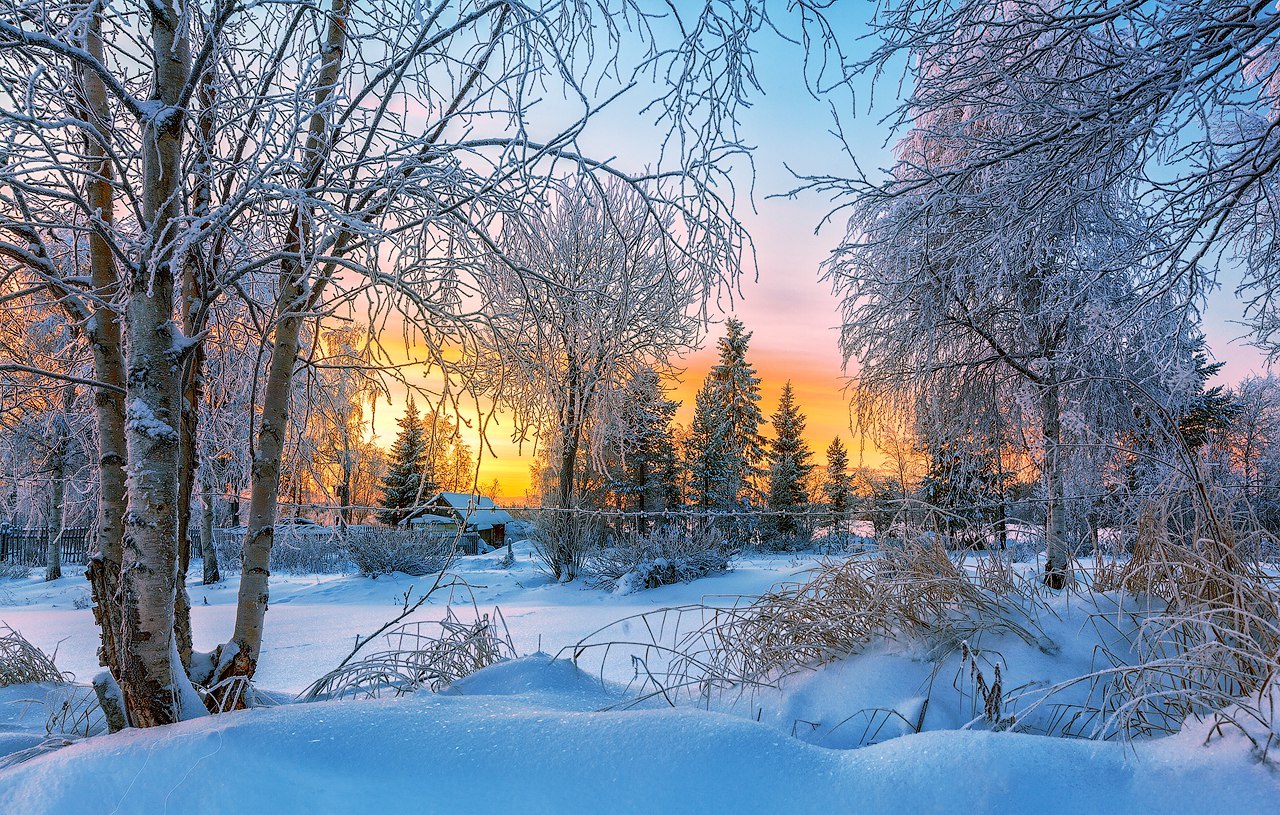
x: 30, y: 547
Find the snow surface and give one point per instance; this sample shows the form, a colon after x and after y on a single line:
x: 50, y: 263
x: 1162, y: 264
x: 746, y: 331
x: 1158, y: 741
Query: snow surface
x: 533, y: 735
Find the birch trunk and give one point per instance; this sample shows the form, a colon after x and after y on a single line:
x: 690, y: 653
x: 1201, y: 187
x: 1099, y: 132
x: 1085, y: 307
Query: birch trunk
x: 208, y: 552
x: 240, y: 657
x: 196, y: 275
x: 154, y: 684
x: 103, y: 333
x: 1057, y: 568
x: 53, y: 553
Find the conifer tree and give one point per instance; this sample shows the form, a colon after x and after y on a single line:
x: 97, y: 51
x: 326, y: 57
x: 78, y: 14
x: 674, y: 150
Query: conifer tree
x: 708, y: 458
x: 837, y: 486
x: 736, y: 391
x: 405, y: 485
x: 644, y: 479
x: 789, y: 465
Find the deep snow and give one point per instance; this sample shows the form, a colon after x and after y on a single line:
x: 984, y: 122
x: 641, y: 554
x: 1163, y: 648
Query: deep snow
x: 533, y: 735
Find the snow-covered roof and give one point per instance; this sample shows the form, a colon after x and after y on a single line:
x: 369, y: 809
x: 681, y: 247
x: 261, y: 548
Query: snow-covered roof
x: 478, y: 511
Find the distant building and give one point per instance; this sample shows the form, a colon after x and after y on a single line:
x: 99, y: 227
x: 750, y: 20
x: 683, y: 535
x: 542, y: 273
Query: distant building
x: 473, y: 514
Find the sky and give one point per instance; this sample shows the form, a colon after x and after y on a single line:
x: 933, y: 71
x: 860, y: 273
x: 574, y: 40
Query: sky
x: 792, y: 314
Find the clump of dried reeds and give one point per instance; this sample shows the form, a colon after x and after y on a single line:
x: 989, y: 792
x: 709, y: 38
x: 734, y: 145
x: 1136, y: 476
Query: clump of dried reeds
x: 422, y: 655
x: 914, y: 592
x: 22, y: 663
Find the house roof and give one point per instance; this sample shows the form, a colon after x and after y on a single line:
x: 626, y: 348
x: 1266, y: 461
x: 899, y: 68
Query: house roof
x: 477, y: 511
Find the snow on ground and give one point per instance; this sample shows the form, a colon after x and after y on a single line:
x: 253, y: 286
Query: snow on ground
x: 542, y: 750
x: 533, y: 735
x: 313, y: 620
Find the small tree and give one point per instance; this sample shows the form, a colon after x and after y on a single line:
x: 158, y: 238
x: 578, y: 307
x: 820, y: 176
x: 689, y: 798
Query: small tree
x: 789, y: 465
x: 837, y: 486
x: 963, y: 487
x: 644, y: 477
x: 709, y: 460
x: 405, y: 485
x: 737, y: 389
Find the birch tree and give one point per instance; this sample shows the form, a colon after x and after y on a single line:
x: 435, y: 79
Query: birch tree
x: 1183, y: 94
x: 160, y: 158
x: 953, y: 295
x: 608, y: 293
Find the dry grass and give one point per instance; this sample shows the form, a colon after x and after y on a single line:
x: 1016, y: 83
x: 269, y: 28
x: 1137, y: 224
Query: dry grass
x: 660, y: 557
x: 916, y: 592
x: 1206, y: 628
x: 22, y: 663
x: 423, y: 655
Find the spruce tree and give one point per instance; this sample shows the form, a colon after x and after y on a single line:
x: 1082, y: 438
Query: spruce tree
x: 837, y: 487
x: 709, y: 460
x: 644, y: 479
x: 736, y: 390
x: 789, y: 465
x: 964, y: 482
x: 405, y: 484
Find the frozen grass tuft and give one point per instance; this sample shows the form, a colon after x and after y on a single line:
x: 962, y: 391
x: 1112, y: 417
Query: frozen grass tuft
x: 23, y: 663
x: 420, y: 656
x: 916, y: 592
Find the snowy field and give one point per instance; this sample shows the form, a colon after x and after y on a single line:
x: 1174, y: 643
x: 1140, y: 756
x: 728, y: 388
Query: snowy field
x: 537, y: 735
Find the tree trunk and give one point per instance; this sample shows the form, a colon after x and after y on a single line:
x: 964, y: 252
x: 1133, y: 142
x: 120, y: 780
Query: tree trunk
x: 103, y: 333
x: 208, y: 552
x: 195, y: 288
x: 53, y: 553
x: 239, y: 658
x: 154, y: 684
x: 1057, y: 569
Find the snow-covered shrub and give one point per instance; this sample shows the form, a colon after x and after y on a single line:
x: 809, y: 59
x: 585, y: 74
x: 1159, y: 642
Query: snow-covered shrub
x: 563, y: 540
x: 297, y: 549
x: 22, y: 663
x: 666, y: 555
x: 420, y: 656
x: 12, y: 569
x: 383, y: 551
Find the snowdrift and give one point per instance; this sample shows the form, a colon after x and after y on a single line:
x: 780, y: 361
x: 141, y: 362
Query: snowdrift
x: 521, y: 737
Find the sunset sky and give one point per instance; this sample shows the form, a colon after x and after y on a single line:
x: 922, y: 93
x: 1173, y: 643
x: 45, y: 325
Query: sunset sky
x: 793, y: 315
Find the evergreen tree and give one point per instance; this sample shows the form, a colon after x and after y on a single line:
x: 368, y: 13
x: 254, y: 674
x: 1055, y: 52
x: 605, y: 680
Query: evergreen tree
x: 789, y: 465
x: 1208, y: 409
x: 708, y: 458
x: 648, y: 467
x: 964, y: 483
x: 406, y: 484
x: 837, y: 487
x: 736, y: 391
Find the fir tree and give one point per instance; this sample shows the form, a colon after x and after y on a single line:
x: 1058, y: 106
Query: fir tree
x: 645, y: 478
x: 405, y: 485
x: 965, y: 483
x: 708, y: 458
x: 837, y: 487
x: 1209, y: 409
x: 736, y: 391
x: 789, y: 465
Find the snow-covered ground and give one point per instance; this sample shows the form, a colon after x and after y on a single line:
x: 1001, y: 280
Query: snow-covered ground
x: 534, y: 735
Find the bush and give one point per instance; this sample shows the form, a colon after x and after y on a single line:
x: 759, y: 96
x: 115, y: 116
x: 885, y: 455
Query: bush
x: 564, y: 540
x: 300, y: 550
x: 13, y: 569
x: 383, y: 551
x: 661, y: 557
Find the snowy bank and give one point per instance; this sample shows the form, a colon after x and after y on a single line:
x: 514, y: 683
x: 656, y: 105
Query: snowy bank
x: 521, y: 736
